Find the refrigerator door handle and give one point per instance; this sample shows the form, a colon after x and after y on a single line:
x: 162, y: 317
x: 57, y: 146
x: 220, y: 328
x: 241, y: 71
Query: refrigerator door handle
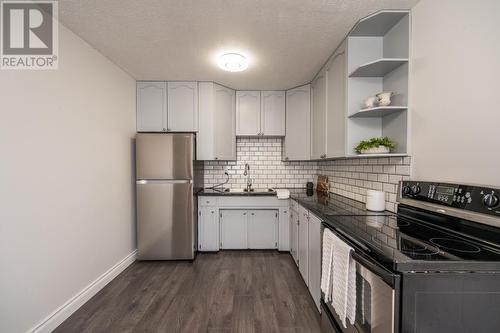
x: 164, y: 181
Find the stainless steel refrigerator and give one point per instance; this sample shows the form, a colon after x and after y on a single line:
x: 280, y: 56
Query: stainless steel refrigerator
x: 166, y: 217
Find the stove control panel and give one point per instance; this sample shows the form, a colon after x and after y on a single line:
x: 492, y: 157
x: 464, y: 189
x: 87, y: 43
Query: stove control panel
x: 479, y: 199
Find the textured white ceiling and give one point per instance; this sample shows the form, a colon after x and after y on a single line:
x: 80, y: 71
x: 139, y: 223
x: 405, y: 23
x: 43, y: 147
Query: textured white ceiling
x: 287, y: 41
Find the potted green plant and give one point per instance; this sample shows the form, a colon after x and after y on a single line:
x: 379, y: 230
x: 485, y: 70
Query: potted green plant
x: 381, y: 145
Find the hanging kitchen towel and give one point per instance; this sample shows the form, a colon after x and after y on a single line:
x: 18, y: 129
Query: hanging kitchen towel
x: 343, y: 281
x: 326, y: 265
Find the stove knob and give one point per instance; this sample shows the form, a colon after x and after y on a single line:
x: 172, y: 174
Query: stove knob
x: 490, y: 200
x: 406, y: 190
x: 415, y: 189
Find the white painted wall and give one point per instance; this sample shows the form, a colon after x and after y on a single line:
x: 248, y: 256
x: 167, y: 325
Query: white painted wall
x: 66, y: 175
x: 455, y: 91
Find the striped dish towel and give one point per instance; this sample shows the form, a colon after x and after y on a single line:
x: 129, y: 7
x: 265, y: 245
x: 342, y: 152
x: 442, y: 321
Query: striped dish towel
x: 326, y: 265
x: 343, y: 281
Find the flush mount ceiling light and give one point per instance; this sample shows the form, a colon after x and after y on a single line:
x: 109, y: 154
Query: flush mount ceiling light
x: 232, y: 62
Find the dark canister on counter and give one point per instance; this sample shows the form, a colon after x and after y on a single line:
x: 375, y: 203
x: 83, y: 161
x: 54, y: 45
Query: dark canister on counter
x: 309, y: 188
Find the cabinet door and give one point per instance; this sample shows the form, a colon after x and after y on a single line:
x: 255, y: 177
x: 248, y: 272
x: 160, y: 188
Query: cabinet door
x: 182, y: 106
x: 151, y: 106
x: 297, y: 143
x: 233, y: 229
x: 208, y: 229
x: 225, y: 136
x: 284, y: 230
x: 262, y: 225
x: 205, y: 138
x: 318, y: 116
x: 294, y: 234
x: 314, y: 258
x: 336, y: 114
x: 248, y: 113
x: 273, y: 113
x: 304, y: 243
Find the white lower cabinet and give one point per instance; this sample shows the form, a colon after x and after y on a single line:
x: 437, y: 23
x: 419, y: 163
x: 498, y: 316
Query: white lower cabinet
x: 241, y: 222
x: 294, y: 234
x: 284, y: 230
x: 309, y: 252
x: 233, y: 229
x: 261, y: 226
x: 303, y: 247
x: 208, y: 231
x: 314, y: 258
x: 248, y: 229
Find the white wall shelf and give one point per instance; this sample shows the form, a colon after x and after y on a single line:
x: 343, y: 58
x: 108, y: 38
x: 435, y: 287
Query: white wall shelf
x: 379, y: 111
x: 377, y: 155
x: 378, y: 68
x: 378, y: 24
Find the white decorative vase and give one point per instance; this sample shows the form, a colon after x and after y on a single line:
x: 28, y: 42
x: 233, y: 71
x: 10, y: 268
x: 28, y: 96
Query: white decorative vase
x: 376, y: 150
x: 384, y: 98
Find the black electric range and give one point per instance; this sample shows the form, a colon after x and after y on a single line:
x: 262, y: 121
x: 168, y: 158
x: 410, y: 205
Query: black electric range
x: 439, y: 257
x: 412, y: 240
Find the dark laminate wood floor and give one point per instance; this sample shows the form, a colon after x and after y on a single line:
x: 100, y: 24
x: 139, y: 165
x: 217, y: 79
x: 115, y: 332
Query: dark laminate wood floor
x: 231, y: 291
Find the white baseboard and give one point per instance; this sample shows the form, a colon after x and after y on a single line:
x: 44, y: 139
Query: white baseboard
x: 51, y: 322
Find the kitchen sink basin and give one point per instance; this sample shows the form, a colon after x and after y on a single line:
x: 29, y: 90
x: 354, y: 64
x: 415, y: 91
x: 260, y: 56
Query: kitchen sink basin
x: 234, y: 190
x: 252, y: 191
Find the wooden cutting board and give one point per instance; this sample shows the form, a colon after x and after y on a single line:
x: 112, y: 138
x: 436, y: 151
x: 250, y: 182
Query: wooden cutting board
x: 322, y: 187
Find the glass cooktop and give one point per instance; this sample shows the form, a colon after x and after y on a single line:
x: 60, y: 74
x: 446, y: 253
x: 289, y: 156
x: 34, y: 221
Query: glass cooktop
x: 401, y: 243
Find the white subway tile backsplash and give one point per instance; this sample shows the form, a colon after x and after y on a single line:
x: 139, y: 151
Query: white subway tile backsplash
x: 348, y: 177
x: 267, y: 170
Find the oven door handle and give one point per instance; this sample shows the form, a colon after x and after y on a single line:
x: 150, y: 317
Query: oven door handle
x: 387, y: 276
x: 364, y: 260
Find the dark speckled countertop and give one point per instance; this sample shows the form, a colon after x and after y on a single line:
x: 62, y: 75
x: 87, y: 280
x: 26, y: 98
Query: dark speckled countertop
x: 221, y: 192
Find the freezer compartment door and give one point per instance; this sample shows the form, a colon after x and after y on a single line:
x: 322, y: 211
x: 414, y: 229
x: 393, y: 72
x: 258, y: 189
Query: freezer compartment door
x: 165, y: 220
x: 164, y: 156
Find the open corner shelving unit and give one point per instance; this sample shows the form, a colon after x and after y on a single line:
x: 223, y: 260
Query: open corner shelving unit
x: 377, y: 60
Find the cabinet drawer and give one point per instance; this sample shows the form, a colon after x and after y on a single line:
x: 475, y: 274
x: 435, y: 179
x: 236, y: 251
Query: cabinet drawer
x: 207, y: 201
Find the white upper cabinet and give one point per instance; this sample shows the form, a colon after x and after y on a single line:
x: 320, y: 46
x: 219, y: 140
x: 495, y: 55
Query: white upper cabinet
x: 225, y: 123
x: 216, y: 138
x: 151, y: 106
x: 336, y: 106
x: 260, y: 113
x: 248, y: 113
x: 205, y: 139
x: 167, y: 106
x: 273, y: 113
x: 182, y: 106
x: 318, y: 116
x: 297, y: 143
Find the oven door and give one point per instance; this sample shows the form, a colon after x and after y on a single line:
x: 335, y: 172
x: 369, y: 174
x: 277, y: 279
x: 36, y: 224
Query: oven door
x: 376, y: 300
